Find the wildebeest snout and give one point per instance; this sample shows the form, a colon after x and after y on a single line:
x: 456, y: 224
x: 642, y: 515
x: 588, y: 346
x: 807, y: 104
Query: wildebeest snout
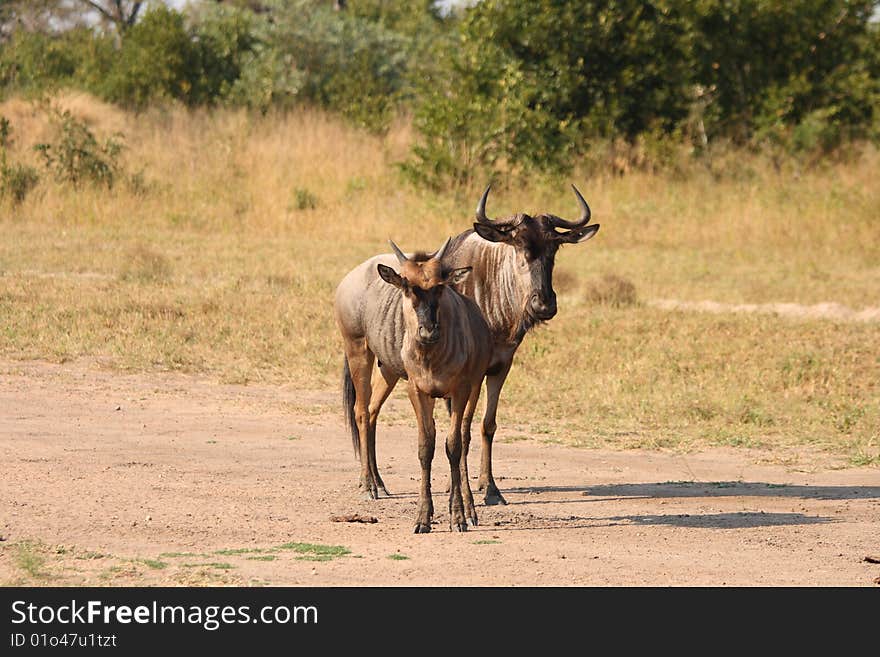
x: 543, y: 308
x: 429, y: 335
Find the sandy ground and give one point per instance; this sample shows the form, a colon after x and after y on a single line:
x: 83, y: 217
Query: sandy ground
x: 829, y: 310
x: 102, y: 475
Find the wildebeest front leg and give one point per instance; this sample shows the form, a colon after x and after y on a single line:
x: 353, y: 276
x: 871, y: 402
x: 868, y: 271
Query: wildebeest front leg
x: 424, y: 408
x: 466, y: 494
x: 360, y: 363
x: 454, y: 454
x: 383, y: 383
x: 486, y: 483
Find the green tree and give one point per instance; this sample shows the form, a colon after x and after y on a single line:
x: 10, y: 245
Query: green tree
x: 349, y: 64
x: 158, y: 60
x: 240, y: 63
x: 528, y: 82
x: 770, y: 66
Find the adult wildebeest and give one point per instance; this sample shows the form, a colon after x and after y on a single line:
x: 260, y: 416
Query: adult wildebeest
x: 445, y: 352
x: 511, y: 282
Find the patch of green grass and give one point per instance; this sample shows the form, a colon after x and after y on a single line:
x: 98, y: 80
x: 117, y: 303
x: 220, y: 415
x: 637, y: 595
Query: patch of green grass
x: 487, y: 542
x: 303, y: 199
x: 155, y: 564
x: 28, y: 558
x: 778, y: 485
x: 178, y: 555
x: 292, y: 438
x: 861, y: 458
x: 398, y: 557
x: 316, y: 552
x: 262, y: 557
x: 211, y: 564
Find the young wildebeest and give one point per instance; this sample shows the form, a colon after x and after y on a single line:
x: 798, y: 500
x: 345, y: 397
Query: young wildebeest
x: 422, y: 330
x: 512, y: 261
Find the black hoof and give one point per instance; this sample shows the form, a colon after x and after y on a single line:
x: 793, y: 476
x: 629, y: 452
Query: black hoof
x: 459, y: 527
x: 472, y: 520
x: 422, y: 529
x: 494, y: 498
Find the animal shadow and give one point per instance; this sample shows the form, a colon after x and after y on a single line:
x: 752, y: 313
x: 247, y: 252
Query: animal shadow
x: 672, y: 489
x: 742, y: 520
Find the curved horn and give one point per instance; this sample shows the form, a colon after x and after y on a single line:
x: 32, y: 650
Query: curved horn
x: 442, y: 250
x: 559, y: 222
x: 400, y: 257
x: 481, y: 207
x: 515, y: 220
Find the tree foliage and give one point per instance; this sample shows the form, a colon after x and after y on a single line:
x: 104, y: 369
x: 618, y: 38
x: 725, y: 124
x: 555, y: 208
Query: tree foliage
x: 525, y: 81
x: 497, y: 85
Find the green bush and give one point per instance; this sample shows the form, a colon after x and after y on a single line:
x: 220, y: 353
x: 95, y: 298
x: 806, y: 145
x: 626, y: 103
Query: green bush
x: 463, y: 118
x: 303, y: 199
x: 16, y: 180
x: 34, y: 61
x: 78, y: 157
x: 158, y: 60
x: 240, y: 66
x: 349, y: 64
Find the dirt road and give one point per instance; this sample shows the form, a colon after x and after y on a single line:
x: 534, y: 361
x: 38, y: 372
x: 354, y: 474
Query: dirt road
x: 168, y: 479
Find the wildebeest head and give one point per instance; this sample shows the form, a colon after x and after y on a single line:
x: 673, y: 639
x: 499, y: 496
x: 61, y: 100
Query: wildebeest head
x: 536, y: 240
x: 423, y: 280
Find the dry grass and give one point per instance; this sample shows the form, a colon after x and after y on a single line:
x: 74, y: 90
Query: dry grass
x: 611, y: 290
x: 227, y: 265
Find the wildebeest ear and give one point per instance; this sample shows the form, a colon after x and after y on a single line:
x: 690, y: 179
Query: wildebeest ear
x: 456, y: 276
x: 576, y: 235
x: 491, y: 233
x: 390, y: 276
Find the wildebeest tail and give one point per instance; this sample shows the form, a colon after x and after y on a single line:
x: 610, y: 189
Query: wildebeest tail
x: 348, y: 398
